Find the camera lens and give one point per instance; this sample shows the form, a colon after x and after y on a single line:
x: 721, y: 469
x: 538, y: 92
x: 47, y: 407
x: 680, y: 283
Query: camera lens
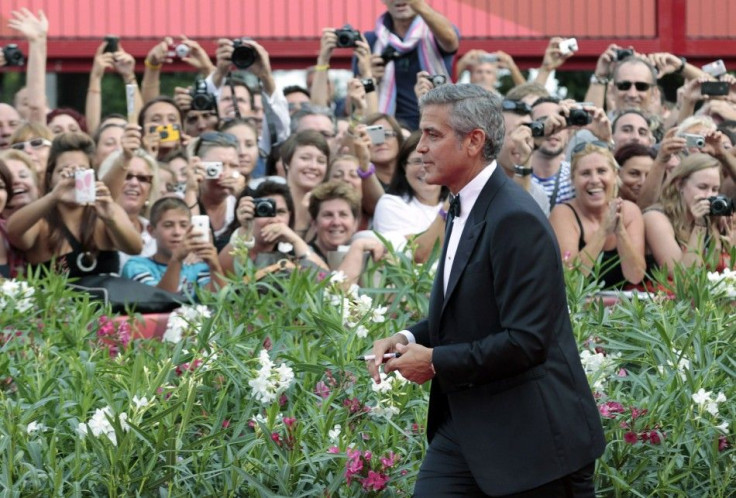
x: 243, y: 56
x: 578, y: 117
x: 182, y: 50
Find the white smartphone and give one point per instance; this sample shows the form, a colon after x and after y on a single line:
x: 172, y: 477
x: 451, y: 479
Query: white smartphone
x: 568, y: 45
x: 715, y: 68
x: 84, y: 186
x: 376, y: 134
x: 201, y: 224
x: 130, y: 102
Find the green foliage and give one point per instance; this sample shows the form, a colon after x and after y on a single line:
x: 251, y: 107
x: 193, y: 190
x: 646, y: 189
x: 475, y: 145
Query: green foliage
x: 192, y: 425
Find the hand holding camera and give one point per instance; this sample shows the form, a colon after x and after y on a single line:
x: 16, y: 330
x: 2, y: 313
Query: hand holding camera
x: 606, y: 61
x: 159, y: 54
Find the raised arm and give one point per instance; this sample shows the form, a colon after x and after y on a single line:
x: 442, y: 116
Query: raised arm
x: 35, y: 30
x: 442, y: 29
x: 157, y: 56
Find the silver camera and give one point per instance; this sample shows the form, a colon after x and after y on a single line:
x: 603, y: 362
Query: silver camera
x: 692, y: 140
x: 568, y: 45
x: 212, y: 169
x: 715, y: 68
x: 181, y: 50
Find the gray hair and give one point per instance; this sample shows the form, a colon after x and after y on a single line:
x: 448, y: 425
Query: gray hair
x: 310, y: 110
x: 633, y: 59
x: 472, y: 107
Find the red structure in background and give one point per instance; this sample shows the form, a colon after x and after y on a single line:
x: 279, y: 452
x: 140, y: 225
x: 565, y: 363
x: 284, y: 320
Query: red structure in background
x: 290, y: 29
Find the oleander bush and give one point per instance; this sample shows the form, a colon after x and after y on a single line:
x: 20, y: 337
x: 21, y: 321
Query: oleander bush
x: 258, y: 391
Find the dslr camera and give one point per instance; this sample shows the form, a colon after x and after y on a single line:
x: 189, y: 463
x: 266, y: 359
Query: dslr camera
x: 13, y: 55
x: 578, y: 117
x: 537, y: 128
x: 347, y: 37
x: 390, y: 54
x: 244, y: 55
x: 264, y: 208
x: 437, y: 79
x: 202, y: 100
x: 720, y: 205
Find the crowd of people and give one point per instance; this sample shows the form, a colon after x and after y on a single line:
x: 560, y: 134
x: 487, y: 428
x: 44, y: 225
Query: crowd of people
x: 629, y: 181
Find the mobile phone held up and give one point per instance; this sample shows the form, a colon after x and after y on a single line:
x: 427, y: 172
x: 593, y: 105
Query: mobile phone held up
x: 714, y: 88
x: 201, y: 225
x: 111, y: 43
x: 376, y: 133
x: 84, y: 186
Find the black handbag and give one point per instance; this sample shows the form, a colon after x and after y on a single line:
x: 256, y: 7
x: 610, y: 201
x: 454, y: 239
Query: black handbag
x: 125, y: 295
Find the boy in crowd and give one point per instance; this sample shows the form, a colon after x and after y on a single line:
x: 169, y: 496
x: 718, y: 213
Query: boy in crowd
x: 172, y: 228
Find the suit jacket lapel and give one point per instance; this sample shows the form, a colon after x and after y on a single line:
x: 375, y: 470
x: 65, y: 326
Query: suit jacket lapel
x: 473, y: 228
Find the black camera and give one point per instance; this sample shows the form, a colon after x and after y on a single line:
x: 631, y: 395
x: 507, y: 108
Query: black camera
x: 537, y: 128
x: 622, y: 53
x: 13, y: 55
x: 369, y: 85
x: 347, y: 37
x: 720, y: 205
x: 437, y: 80
x: 244, y: 55
x: 390, y: 54
x: 202, y: 100
x: 265, y: 208
x: 578, y: 117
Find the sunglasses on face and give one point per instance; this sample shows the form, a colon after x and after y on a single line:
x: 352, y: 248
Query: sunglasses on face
x: 641, y: 86
x: 140, y: 178
x: 35, y: 143
x: 595, y: 143
x: 516, y: 106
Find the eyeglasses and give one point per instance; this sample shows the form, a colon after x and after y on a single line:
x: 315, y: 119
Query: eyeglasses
x: 516, y: 106
x: 140, y: 178
x: 594, y: 143
x: 417, y: 161
x: 389, y: 133
x: 35, y: 143
x: 641, y: 86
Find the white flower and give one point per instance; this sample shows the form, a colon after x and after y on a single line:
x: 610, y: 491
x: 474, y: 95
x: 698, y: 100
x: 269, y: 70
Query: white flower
x: 723, y: 427
x: 379, y: 314
x: 720, y: 398
x: 270, y: 382
x: 185, y: 319
x: 334, y: 433
x: 364, y: 304
x: 712, y: 408
x: 16, y: 294
x: 338, y: 277
x: 34, y: 427
x: 100, y: 424
x: 384, y: 386
x: 361, y: 331
x: 388, y: 410
x: 141, y: 402
x: 701, y: 397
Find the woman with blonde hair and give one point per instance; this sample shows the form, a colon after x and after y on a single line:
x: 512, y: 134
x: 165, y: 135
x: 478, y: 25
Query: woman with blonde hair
x: 35, y: 140
x: 596, y: 224
x: 682, y: 229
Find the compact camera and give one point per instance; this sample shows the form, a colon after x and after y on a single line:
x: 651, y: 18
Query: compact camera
x: 714, y: 88
x: 181, y: 51
x: 347, y: 37
x: 212, y: 169
x: 390, y: 54
x: 692, y: 140
x: 715, y: 68
x: 489, y: 58
x: 369, y: 85
x: 568, y: 46
x: 243, y: 55
x: 720, y: 205
x: 13, y: 55
x: 437, y: 79
x: 622, y: 53
x: 264, y: 208
x: 167, y: 133
x: 537, y: 128
x: 578, y: 117
x: 202, y: 100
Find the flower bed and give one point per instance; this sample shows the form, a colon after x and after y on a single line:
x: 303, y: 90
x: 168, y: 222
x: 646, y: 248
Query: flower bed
x: 259, y: 393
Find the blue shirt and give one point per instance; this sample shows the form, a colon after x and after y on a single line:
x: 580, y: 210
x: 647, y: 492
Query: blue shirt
x: 149, y: 272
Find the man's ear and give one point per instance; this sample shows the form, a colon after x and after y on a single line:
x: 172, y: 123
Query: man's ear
x: 476, y: 141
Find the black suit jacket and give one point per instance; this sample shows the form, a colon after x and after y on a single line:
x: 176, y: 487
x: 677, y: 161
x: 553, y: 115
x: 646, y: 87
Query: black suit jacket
x: 508, y: 368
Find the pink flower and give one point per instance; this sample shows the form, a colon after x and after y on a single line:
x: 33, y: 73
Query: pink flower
x: 636, y: 413
x: 654, y: 437
x: 334, y: 450
x: 722, y: 443
x: 389, y: 460
x: 322, y: 390
x: 276, y: 438
x: 289, y: 421
x: 354, y: 464
x: 367, y: 455
x: 609, y: 409
x: 622, y: 372
x: 225, y: 424
x: 267, y: 344
x: 630, y: 437
x: 283, y: 400
x: 375, y: 481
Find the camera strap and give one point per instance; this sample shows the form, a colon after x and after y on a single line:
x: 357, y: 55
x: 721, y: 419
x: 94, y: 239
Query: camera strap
x: 553, y: 199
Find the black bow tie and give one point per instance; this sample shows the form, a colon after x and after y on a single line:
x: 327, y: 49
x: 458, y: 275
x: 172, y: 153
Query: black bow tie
x: 454, y: 210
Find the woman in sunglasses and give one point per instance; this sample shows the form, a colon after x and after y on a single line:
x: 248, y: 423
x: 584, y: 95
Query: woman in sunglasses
x: 596, y: 228
x: 58, y: 232
x: 35, y: 140
x: 10, y: 259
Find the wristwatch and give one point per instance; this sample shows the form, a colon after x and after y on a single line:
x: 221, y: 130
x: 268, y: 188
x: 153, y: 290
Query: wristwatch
x: 682, y: 67
x: 597, y: 80
x: 522, y: 171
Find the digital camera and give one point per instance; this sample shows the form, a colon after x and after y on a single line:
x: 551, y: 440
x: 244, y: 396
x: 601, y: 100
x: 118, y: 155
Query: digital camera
x: 368, y: 84
x: 212, y: 169
x: 244, y: 55
x: 167, y: 133
x: 112, y: 44
x: 437, y: 79
x: 692, y: 140
x: 537, y: 128
x: 715, y: 68
x: 568, y: 46
x: 390, y: 54
x: 578, y: 117
x: 264, y: 208
x: 347, y: 37
x: 720, y: 205
x: 202, y: 100
x: 13, y: 55
x: 622, y: 53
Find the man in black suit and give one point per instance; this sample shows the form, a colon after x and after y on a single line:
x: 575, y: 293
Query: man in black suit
x: 510, y: 409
